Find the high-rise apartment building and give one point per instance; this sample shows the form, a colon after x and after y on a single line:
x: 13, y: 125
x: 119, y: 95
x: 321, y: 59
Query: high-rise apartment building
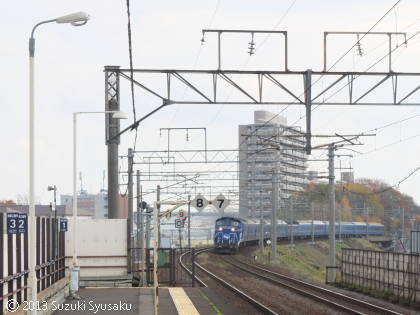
x: 265, y: 146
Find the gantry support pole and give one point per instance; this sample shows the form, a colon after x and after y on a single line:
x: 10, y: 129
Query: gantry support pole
x: 130, y: 211
x: 331, y: 199
x: 308, y: 106
x: 112, y: 128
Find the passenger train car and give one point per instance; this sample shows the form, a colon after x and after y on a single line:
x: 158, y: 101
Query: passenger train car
x: 231, y: 233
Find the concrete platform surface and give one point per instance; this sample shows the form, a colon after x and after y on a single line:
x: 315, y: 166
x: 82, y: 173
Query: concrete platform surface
x: 172, y: 301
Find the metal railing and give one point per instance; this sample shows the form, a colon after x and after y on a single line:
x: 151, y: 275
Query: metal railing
x: 50, y: 264
x: 388, y: 274
x: 170, y: 270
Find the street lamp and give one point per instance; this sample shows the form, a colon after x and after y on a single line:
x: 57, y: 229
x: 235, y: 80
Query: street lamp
x: 74, y: 266
x: 55, y: 225
x: 76, y: 19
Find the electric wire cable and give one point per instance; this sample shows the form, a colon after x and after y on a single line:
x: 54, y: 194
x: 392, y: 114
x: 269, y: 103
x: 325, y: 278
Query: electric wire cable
x: 329, y: 67
x: 130, y: 54
x: 381, y: 191
x: 334, y: 64
x: 278, y: 23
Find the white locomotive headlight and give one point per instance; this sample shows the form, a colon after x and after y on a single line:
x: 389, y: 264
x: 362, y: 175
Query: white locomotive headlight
x: 220, y: 229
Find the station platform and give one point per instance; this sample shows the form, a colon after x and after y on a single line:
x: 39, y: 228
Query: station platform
x: 124, y: 300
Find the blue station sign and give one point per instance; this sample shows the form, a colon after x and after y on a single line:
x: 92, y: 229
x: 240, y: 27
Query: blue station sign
x: 63, y: 225
x: 17, y: 223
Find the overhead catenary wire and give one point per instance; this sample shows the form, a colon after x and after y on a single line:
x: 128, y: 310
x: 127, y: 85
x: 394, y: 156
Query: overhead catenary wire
x: 381, y: 191
x: 362, y: 37
x: 333, y: 65
x: 376, y: 47
x: 130, y: 56
x: 278, y: 23
x: 267, y: 122
x: 355, y: 77
x: 347, y: 84
x: 388, y: 145
x: 197, y: 58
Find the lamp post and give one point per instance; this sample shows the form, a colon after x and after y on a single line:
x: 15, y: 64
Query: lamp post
x: 55, y: 226
x: 76, y: 19
x: 74, y: 268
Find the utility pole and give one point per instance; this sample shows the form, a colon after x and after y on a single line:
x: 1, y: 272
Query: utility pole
x: 55, y: 226
x: 367, y: 218
x: 275, y: 205
x: 140, y: 232
x: 261, y: 228
x: 180, y: 238
x: 148, y: 218
x: 112, y: 129
x: 339, y: 225
x: 331, y: 193
x: 155, y: 257
x: 158, y: 209
x: 189, y: 221
x: 292, y: 231
x: 130, y: 210
x: 156, y: 223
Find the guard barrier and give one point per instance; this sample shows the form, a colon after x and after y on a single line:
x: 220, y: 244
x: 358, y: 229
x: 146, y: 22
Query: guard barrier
x: 50, y: 264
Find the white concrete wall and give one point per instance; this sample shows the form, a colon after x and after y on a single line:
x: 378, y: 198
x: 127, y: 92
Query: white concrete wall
x: 101, y: 247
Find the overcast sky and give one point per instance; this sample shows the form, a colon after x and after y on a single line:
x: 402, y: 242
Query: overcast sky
x: 166, y: 34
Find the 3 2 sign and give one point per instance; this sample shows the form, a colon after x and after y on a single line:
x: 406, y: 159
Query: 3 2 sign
x: 17, y: 223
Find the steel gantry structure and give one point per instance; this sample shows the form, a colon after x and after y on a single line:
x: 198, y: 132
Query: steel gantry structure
x: 290, y: 87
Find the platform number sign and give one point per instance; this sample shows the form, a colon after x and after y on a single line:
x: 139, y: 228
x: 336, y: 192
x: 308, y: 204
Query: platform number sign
x: 17, y: 223
x: 63, y: 225
x: 181, y: 214
x: 220, y: 202
x: 199, y: 202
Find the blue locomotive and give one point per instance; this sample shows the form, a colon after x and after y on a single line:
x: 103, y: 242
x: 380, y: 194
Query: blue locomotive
x: 231, y: 233
x: 228, y: 234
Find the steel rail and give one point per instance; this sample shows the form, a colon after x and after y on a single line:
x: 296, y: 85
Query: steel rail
x: 297, y: 290
x: 241, y: 294
x: 334, y: 294
x: 184, y: 266
x: 238, y: 292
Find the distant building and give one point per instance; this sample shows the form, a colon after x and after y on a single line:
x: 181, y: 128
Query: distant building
x: 265, y: 145
x: 40, y: 210
x: 313, y: 175
x: 347, y: 177
x: 7, y: 202
x: 94, y: 204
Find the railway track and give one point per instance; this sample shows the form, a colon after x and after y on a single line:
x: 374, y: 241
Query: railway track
x: 258, y: 305
x: 330, y: 298
x: 189, y: 271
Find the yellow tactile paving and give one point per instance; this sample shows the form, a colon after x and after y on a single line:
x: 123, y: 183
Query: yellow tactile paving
x: 182, y: 302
